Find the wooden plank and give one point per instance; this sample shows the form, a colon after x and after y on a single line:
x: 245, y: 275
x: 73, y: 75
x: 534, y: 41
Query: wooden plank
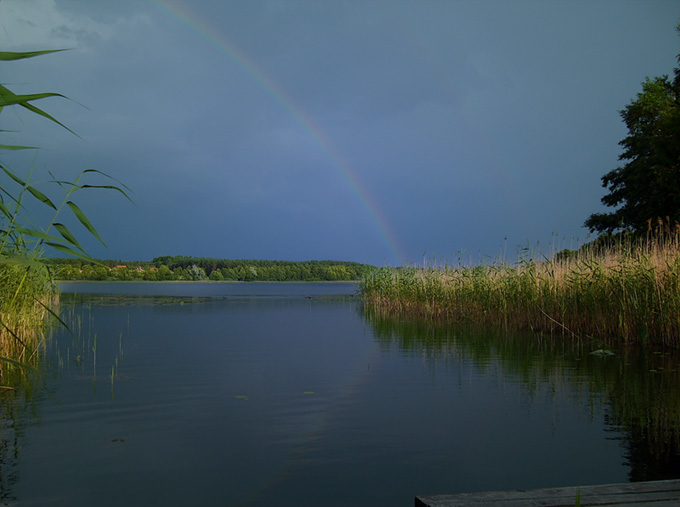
x: 656, y: 493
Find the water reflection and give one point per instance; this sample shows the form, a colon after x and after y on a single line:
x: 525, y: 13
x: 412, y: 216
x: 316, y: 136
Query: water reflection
x: 640, y: 387
x: 303, y: 399
x: 19, y: 409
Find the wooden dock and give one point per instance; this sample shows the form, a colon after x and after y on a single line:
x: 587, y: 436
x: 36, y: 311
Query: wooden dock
x: 653, y: 493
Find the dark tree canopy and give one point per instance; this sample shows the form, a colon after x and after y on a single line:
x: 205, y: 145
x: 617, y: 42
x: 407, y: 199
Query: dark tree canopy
x: 647, y: 186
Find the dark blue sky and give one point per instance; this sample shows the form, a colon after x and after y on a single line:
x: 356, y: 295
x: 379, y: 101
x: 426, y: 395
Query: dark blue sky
x: 375, y: 131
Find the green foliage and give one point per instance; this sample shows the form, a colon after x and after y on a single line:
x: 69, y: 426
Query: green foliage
x: 27, y: 289
x: 216, y: 275
x: 647, y: 187
x: 207, y: 268
x: 19, y: 237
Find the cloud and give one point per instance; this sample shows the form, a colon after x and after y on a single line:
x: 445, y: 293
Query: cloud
x: 458, y: 123
x: 46, y: 24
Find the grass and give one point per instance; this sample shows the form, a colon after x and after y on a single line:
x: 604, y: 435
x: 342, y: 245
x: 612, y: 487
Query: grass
x: 26, y: 294
x: 626, y: 292
x: 27, y: 291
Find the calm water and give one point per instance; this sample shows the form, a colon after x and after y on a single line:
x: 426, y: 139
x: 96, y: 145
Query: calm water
x: 289, y: 394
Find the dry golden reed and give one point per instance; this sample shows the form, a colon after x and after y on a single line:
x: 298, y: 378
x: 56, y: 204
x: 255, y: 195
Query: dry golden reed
x: 626, y: 292
x: 25, y: 294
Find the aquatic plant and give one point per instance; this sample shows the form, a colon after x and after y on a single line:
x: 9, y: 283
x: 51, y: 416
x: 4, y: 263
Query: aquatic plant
x: 628, y: 292
x: 27, y: 291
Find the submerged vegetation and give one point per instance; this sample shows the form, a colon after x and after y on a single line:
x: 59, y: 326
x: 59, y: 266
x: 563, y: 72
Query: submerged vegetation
x: 207, y: 268
x: 626, y: 292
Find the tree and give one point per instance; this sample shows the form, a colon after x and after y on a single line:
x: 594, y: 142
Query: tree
x: 164, y: 273
x: 647, y: 187
x: 196, y: 273
x: 216, y: 275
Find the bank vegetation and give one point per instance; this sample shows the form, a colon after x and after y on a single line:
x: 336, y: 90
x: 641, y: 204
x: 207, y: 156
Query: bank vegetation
x: 175, y: 268
x: 625, y: 290
x: 28, y: 293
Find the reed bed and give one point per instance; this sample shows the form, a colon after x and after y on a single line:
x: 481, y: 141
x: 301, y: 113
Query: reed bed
x: 26, y: 293
x: 624, y: 292
x: 27, y: 290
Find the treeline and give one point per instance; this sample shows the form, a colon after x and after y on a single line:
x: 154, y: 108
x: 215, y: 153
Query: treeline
x: 167, y: 268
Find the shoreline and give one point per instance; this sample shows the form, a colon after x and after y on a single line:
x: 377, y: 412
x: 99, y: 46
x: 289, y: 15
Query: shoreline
x: 207, y: 281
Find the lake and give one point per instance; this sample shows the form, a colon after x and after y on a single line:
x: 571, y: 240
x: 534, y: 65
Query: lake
x: 277, y: 394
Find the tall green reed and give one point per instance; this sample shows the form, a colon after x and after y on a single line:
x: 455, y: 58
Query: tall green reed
x: 27, y: 290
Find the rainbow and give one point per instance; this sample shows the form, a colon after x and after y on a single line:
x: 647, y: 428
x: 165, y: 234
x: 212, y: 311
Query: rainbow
x: 199, y: 26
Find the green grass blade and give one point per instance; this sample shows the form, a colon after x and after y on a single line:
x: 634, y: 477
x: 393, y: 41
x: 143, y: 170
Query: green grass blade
x: 14, y: 335
x: 13, y: 176
x: 36, y: 234
x: 10, y: 197
x: 5, y: 210
x: 108, y: 187
x: 102, y: 173
x: 8, y: 56
x: 51, y: 312
x: 36, y: 110
x: 69, y: 251
x: 68, y: 235
x: 12, y: 99
x: 84, y: 220
x: 19, y: 364
x: 40, y: 196
x: 9, y: 98
x: 12, y: 147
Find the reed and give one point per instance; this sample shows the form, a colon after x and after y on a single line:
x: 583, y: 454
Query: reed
x: 27, y: 291
x: 27, y: 299
x: 626, y: 291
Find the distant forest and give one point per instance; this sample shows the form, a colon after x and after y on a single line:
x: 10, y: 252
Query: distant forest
x: 206, y: 268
